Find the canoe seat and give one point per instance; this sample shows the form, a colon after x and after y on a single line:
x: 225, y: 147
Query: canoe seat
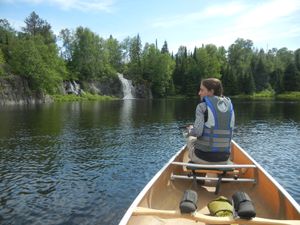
x: 221, y: 172
x: 198, y: 172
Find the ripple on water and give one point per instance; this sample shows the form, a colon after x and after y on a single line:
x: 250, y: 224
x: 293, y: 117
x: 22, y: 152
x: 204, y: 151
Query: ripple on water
x: 91, y: 169
x: 277, y: 151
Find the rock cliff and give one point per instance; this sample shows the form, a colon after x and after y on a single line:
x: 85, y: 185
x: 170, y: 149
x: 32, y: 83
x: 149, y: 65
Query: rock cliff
x: 16, y: 90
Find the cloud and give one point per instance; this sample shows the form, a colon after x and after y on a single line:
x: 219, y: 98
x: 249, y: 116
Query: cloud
x: 263, y: 23
x: 86, y: 5
x: 214, y: 11
x: 268, y: 13
x: 81, y: 5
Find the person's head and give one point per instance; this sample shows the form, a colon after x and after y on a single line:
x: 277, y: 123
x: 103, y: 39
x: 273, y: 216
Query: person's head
x: 210, y: 87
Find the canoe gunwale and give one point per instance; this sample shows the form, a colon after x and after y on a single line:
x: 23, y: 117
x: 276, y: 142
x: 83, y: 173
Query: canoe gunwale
x: 280, y: 188
x: 254, y: 164
x: 140, y: 196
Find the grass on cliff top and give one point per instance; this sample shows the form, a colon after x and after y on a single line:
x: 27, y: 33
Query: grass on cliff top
x: 83, y: 97
x: 294, y: 95
x: 270, y: 95
x: 266, y: 94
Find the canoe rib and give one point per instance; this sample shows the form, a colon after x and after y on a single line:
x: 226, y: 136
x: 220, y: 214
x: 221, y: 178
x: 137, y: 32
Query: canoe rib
x: 211, y: 219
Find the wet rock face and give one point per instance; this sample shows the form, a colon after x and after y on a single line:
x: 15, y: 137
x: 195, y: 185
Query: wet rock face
x: 111, y: 87
x: 15, y: 90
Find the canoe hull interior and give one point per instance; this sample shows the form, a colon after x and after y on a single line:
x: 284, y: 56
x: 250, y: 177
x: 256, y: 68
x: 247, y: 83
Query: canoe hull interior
x: 269, y: 198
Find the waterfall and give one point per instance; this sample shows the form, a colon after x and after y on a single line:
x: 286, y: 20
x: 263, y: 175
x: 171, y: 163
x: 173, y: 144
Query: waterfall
x: 127, y: 87
x: 72, y: 87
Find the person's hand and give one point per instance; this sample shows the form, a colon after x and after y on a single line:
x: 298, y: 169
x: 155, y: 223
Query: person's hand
x: 189, y: 127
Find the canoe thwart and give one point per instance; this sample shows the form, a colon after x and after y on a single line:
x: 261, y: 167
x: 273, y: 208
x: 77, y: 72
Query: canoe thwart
x: 142, y: 211
x: 221, y: 169
x: 218, y: 180
x: 159, y: 202
x: 227, y: 179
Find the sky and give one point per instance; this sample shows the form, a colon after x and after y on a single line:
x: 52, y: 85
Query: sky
x: 191, y: 23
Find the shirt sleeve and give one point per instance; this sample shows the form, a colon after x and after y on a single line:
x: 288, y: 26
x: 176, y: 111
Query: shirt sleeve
x: 197, y: 129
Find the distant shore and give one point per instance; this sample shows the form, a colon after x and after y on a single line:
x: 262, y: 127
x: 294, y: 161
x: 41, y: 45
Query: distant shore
x: 84, y: 97
x: 270, y: 95
x: 257, y: 96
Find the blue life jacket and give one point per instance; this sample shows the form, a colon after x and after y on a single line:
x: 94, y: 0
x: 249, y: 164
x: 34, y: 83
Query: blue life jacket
x: 217, y: 132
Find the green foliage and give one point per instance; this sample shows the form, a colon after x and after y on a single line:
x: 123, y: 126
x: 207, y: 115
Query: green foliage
x: 164, y: 48
x: 264, y: 94
x: 191, y: 68
x: 89, y: 58
x: 2, y: 63
x: 248, y: 83
x: 7, y: 38
x: 239, y: 61
x: 114, y: 53
x: 135, y: 65
x: 293, y: 95
x: 292, y: 78
x: 180, y: 70
x: 214, y: 64
x: 86, y: 56
x: 84, y: 97
x: 260, y: 71
x: 67, y: 38
x: 229, y: 81
x: 37, y: 26
x: 157, y: 70
x: 38, y: 62
x: 297, y: 58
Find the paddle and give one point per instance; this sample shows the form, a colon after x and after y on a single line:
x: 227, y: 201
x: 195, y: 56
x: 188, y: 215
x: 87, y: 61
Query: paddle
x: 211, y: 219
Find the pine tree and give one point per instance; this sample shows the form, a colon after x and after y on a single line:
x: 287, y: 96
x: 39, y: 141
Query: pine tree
x: 292, y: 78
x: 229, y: 82
x: 135, y: 52
x: 164, y: 48
x: 297, y: 58
x: 37, y: 26
x: 261, y: 76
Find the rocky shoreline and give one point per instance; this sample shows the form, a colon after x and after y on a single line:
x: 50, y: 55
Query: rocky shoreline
x: 15, y: 90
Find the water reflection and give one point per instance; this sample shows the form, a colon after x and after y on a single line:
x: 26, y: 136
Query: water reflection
x: 126, y: 113
x: 84, y: 162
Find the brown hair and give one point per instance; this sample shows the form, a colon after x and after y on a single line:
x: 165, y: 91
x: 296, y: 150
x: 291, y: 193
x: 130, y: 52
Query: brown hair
x: 213, y: 84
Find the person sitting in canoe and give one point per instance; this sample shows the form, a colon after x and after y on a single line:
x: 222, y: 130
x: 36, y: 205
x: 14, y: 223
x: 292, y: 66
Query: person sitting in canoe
x: 210, y: 137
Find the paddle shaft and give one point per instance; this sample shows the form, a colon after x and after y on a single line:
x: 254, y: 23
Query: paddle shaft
x: 211, y: 219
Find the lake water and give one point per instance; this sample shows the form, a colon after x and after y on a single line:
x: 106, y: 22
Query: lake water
x: 85, y: 162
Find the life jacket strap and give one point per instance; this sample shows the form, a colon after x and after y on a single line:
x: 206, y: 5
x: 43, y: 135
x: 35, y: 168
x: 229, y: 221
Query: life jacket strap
x: 215, y: 131
x: 216, y: 139
x: 214, y: 145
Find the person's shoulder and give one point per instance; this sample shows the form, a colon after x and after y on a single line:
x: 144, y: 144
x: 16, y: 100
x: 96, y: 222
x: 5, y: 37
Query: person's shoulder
x: 227, y: 98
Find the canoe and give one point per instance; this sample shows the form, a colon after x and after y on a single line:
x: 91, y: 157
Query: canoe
x: 158, y: 203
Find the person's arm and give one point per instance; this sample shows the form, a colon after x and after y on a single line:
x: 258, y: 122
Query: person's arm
x: 197, y: 129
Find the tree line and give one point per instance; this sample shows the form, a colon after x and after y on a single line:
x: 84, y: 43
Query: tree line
x: 46, y: 60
